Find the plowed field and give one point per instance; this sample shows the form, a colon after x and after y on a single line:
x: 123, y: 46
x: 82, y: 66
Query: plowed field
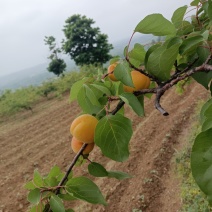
x: 41, y: 139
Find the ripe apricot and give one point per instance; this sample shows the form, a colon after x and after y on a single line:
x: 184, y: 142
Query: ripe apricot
x: 140, y: 82
x: 110, y: 71
x: 76, y: 146
x: 83, y: 128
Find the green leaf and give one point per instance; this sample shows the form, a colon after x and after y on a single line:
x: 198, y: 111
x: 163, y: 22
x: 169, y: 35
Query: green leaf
x: 155, y: 24
x: 122, y: 73
x: 118, y: 175
x: 51, y: 181
x: 56, y: 204
x: 204, y: 108
x: 210, y: 10
x: 161, y: 60
x: 201, y: 162
x: 190, y: 44
x: 67, y: 197
x: 207, y: 124
x: 91, y: 95
x: 37, y: 208
x: 178, y: 16
x: 34, y: 196
x: 149, y: 52
x: 185, y: 29
x: 114, y: 60
x: 86, y: 103
x: 137, y: 55
x: 75, y: 88
x: 133, y: 102
x: 112, y: 135
x: 97, y: 170
x: 29, y: 186
x: 195, y: 3
x: 54, y: 172
x: 37, y: 179
x: 201, y: 77
x: 84, y: 189
x: 102, y: 88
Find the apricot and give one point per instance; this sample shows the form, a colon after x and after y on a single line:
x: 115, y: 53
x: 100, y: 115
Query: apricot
x: 83, y: 128
x: 110, y: 71
x: 140, y: 82
x: 76, y: 146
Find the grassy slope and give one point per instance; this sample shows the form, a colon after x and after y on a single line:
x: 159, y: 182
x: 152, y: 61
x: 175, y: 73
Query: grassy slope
x: 193, y: 199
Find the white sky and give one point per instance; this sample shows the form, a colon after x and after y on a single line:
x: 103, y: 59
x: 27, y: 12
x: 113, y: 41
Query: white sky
x: 25, y: 23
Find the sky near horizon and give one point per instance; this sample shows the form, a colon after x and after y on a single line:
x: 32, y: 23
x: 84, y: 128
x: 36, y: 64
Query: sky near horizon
x: 25, y: 23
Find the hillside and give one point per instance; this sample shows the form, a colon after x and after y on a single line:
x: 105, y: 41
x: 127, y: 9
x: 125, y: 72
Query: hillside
x: 36, y: 75
x: 41, y: 139
x: 30, y: 76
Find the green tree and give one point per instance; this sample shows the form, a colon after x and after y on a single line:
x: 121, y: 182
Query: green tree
x: 57, y: 65
x: 84, y: 43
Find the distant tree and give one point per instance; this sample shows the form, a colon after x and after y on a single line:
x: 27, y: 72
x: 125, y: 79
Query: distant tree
x: 57, y: 65
x: 84, y: 43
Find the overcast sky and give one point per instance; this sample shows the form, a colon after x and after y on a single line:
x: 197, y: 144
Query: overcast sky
x: 24, y: 23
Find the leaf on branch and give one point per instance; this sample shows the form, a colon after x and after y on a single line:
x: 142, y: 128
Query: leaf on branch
x: 190, y: 44
x: 29, y: 186
x: 201, y: 162
x: 204, y: 108
x: 37, y: 179
x: 195, y: 3
x: 178, y: 16
x: 133, y: 102
x: 56, y: 204
x: 137, y: 55
x: 207, y: 124
x: 112, y: 135
x: 89, y: 102
x: 97, y: 170
x: 118, y: 175
x: 84, y: 189
x: 210, y: 10
x: 122, y: 73
x: 36, y: 208
x: 155, y: 24
x: 34, y: 196
x: 75, y: 88
x: 161, y: 60
x: 67, y: 197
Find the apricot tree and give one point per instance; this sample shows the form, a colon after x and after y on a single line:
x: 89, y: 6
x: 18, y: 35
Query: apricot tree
x: 186, y: 52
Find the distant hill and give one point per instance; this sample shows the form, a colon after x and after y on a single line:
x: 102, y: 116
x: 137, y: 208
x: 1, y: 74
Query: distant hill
x: 120, y: 45
x: 30, y: 76
x: 37, y: 74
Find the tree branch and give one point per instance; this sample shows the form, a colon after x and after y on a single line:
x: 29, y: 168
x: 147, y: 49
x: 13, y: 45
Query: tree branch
x: 70, y: 168
x: 142, y: 71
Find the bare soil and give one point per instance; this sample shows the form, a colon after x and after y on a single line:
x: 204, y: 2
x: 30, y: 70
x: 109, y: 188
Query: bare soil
x: 41, y: 139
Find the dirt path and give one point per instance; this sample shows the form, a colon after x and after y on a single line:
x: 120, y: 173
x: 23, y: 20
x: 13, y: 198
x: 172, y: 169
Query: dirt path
x: 41, y: 140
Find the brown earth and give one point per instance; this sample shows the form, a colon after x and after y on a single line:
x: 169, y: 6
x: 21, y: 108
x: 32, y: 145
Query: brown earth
x: 41, y: 139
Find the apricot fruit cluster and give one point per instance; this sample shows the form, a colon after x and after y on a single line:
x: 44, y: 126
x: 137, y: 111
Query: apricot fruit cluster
x: 82, y: 130
x: 140, y: 81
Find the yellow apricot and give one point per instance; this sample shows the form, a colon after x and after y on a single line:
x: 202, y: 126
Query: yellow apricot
x: 76, y: 146
x: 140, y: 82
x: 110, y: 71
x: 83, y: 128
